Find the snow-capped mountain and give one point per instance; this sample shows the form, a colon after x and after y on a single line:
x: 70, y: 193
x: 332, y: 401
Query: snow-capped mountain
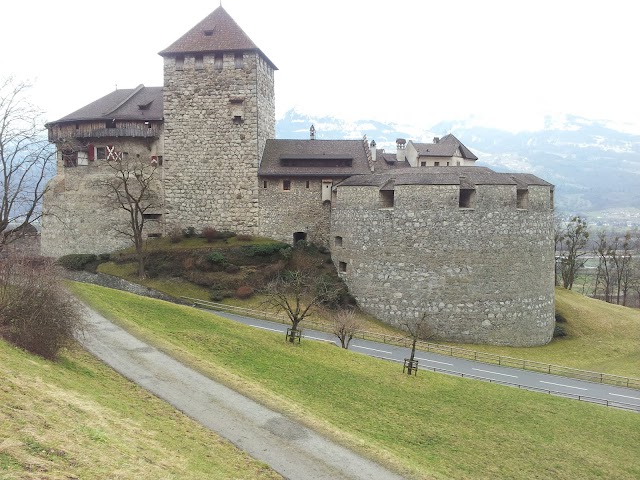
x: 594, y: 166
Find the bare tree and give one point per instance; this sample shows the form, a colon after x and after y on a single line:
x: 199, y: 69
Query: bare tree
x: 417, y: 329
x: 572, y: 242
x: 345, y: 326
x: 36, y: 312
x: 296, y: 293
x: 622, y: 261
x: 27, y: 158
x: 131, y: 189
x: 605, y: 252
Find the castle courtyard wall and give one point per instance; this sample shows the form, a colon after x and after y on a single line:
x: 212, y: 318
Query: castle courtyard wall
x: 300, y: 209
x: 482, y: 275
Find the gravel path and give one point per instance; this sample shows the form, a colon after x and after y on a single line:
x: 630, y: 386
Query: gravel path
x: 291, y: 449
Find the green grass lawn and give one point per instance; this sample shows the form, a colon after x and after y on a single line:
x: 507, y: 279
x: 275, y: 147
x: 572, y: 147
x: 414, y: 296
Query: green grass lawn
x: 433, y: 426
x: 601, y: 337
x: 77, y: 418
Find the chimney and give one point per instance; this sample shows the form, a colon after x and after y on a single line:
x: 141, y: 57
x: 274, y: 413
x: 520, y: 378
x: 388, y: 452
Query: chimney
x: 436, y: 139
x: 373, y: 150
x: 312, y: 133
x: 401, y: 144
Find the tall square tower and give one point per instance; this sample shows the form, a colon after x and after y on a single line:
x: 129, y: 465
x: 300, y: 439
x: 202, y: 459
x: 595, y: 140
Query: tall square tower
x: 219, y: 111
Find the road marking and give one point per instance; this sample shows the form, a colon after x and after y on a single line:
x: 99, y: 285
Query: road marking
x: 434, y: 361
x: 266, y: 328
x: 624, y: 396
x: 317, y: 338
x: 494, y: 373
x: 374, y: 349
x: 561, y: 385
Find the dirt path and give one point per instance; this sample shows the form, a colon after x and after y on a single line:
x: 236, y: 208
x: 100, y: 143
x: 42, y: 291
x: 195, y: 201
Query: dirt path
x: 291, y: 449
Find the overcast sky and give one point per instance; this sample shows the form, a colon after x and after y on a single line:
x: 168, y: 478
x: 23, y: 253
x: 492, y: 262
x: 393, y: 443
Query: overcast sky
x: 413, y: 62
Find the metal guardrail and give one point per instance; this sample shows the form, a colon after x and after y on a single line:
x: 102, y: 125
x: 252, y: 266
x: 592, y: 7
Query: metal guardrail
x: 519, y: 363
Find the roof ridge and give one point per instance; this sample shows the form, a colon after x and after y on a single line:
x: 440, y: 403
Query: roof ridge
x: 129, y: 97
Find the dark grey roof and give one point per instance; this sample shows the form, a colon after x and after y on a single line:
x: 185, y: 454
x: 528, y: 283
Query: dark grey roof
x: 313, y: 152
x: 217, y: 32
x: 140, y: 103
x: 386, y: 161
x: 446, y: 147
x: 464, y: 176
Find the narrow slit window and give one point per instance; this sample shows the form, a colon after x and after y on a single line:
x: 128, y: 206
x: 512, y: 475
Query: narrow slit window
x: 338, y: 241
x: 342, y: 267
x: 239, y: 60
x: 307, y: 183
x: 286, y: 185
x: 522, y: 199
x: 264, y: 184
x: 467, y: 198
x: 386, y: 198
x: 217, y: 62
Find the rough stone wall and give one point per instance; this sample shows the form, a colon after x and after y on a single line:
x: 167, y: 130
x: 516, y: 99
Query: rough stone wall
x: 483, y: 275
x: 216, y: 125
x: 80, y: 216
x: 301, y: 209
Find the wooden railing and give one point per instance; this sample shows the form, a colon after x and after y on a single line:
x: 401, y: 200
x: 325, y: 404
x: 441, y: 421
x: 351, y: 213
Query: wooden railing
x: 447, y: 350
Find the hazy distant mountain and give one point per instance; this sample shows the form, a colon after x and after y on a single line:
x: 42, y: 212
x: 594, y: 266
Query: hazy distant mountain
x: 593, y: 166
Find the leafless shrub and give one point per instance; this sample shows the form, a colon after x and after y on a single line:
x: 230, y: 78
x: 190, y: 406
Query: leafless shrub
x: 36, y: 313
x: 345, y: 325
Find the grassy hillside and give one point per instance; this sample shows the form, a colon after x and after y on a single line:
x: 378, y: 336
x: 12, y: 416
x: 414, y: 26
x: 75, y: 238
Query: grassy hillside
x: 78, y: 419
x: 601, y: 337
x: 432, y: 425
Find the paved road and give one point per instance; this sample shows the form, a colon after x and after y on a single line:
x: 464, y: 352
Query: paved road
x: 563, y: 386
x: 292, y: 450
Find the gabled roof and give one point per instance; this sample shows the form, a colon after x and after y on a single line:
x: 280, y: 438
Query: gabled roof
x: 140, y: 103
x: 446, y: 147
x: 387, y: 161
x: 313, y: 152
x: 217, y: 32
x: 467, y: 177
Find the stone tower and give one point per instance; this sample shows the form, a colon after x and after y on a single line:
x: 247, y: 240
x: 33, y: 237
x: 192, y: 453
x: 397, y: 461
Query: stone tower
x: 219, y: 111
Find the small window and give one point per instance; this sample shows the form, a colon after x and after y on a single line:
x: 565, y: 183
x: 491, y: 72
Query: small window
x: 307, y: 183
x: 77, y: 126
x: 447, y: 164
x: 436, y: 164
x: 458, y: 164
x: 101, y: 153
x: 338, y: 241
x: 386, y: 198
x: 467, y: 198
x: 179, y: 63
x: 199, y: 62
x: 208, y: 33
x: 239, y: 60
x: 551, y: 198
x: 342, y: 267
x: 264, y: 184
x: 110, y: 123
x: 217, y: 61
x: 522, y: 199
x: 423, y: 164
x: 286, y: 184
x: 151, y: 216
x: 70, y: 159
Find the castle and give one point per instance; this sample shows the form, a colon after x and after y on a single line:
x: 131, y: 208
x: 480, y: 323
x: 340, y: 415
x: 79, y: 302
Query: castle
x: 423, y: 230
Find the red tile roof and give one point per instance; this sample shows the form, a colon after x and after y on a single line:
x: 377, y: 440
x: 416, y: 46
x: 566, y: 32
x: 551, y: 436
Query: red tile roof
x: 217, y: 32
